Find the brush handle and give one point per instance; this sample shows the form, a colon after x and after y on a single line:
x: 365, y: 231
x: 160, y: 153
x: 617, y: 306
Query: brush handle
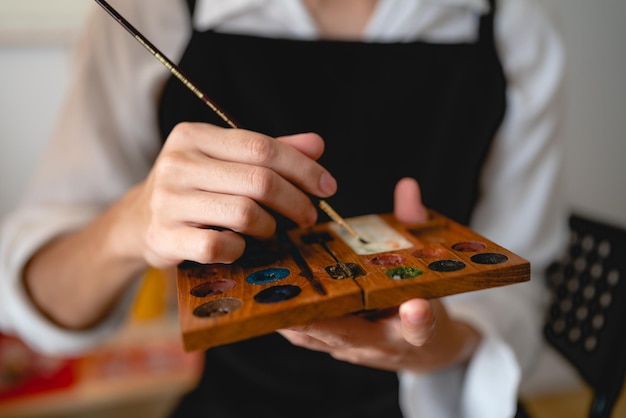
x: 177, y: 72
x: 171, y: 66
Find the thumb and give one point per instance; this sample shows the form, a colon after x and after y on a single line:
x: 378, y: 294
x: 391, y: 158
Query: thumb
x: 418, y: 321
x: 408, y: 206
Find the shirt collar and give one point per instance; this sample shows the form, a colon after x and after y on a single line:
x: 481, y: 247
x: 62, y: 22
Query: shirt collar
x: 479, y: 6
x: 210, y: 12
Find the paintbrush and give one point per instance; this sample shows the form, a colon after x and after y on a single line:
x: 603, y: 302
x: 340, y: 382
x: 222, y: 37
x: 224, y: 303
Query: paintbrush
x: 176, y: 72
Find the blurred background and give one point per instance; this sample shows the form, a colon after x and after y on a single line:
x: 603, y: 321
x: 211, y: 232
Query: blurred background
x: 36, y: 42
x: 36, y: 38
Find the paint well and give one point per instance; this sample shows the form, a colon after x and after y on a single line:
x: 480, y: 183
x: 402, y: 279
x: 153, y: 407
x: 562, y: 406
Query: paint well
x: 217, y: 308
x: 388, y: 260
x: 267, y: 276
x: 344, y: 270
x: 469, y: 246
x: 277, y: 294
x: 489, y: 258
x: 446, y: 266
x: 213, y: 287
x: 402, y: 273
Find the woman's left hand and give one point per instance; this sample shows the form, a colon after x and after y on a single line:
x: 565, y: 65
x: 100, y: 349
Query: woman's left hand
x: 418, y: 337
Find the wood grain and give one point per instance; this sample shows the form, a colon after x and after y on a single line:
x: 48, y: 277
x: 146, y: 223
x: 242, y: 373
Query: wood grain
x: 351, y: 282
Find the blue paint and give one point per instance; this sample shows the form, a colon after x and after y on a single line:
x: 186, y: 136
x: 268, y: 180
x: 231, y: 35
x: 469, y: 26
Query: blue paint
x: 266, y: 276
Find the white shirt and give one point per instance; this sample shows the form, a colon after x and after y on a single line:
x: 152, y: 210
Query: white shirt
x: 107, y: 139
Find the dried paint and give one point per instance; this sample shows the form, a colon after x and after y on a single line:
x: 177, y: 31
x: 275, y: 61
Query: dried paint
x: 402, y: 273
x: 213, y: 287
x: 388, y: 260
x: 446, y: 266
x: 276, y: 294
x: 469, y: 246
x: 489, y: 258
x: 267, y: 276
x: 217, y: 308
x: 344, y: 271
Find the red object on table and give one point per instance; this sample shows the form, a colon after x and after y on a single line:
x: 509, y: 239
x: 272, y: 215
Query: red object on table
x: 24, y: 372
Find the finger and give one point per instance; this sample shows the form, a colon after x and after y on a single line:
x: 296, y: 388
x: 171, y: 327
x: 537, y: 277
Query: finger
x: 208, y: 209
x: 310, y: 144
x: 408, y: 206
x: 168, y: 247
x: 176, y: 170
x: 344, y: 332
x: 247, y: 147
x: 370, y: 344
x: 264, y: 186
x: 417, y: 321
x: 305, y: 341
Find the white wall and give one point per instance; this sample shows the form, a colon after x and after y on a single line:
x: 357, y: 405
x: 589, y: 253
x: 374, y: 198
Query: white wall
x: 33, y: 77
x: 36, y: 41
x: 32, y: 83
x: 595, y: 38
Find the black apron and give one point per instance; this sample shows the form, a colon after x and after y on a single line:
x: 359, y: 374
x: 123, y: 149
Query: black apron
x: 385, y: 111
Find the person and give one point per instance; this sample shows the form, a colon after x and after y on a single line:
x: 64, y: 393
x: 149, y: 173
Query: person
x: 376, y: 106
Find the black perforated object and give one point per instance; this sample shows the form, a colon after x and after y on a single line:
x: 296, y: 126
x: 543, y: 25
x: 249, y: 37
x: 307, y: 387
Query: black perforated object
x: 586, y: 320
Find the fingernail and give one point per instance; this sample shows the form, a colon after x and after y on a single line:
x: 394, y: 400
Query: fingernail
x: 328, y: 184
x: 415, y: 318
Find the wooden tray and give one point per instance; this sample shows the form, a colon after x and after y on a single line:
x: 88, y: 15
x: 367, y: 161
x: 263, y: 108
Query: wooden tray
x: 323, y: 272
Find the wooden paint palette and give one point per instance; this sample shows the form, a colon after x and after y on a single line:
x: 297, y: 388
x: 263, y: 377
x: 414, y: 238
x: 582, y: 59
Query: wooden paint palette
x: 323, y: 272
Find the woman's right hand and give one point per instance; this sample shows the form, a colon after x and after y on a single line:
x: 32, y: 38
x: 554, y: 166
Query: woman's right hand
x: 209, y: 185
x: 207, y: 188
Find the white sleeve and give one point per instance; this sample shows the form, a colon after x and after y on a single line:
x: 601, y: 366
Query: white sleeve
x: 105, y: 142
x: 519, y: 207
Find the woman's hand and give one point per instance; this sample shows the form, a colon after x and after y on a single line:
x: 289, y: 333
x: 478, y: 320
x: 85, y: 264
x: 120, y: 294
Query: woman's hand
x: 209, y: 185
x: 418, y: 337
